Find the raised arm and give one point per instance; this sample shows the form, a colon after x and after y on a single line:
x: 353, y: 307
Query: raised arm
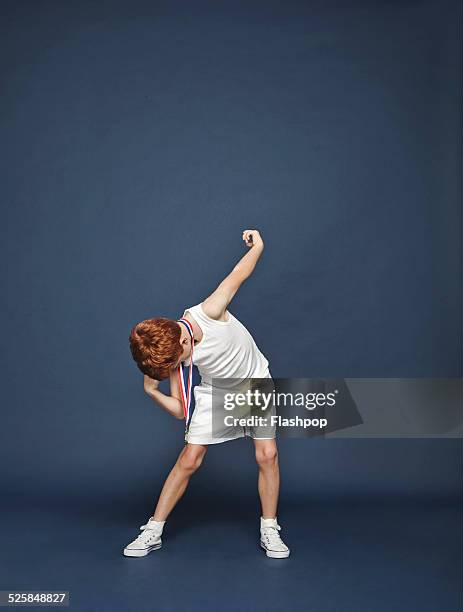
x: 171, y: 403
x: 216, y: 304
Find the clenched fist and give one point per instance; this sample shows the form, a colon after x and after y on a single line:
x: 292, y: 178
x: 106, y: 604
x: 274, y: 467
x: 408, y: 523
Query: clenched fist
x: 150, y: 384
x: 252, y: 238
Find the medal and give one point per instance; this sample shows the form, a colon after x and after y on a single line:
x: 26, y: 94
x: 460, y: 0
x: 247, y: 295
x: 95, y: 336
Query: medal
x: 185, y: 390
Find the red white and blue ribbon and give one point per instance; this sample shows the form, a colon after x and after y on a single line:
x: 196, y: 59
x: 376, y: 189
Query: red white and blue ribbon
x: 185, y: 390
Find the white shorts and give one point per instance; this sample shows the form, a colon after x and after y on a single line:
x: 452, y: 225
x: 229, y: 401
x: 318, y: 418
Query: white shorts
x: 203, y: 431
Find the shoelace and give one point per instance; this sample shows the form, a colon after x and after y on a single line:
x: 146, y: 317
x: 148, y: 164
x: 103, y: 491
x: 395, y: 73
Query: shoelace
x: 273, y: 536
x: 145, y: 534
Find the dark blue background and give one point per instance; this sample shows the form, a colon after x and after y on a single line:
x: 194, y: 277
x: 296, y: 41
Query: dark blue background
x: 138, y: 140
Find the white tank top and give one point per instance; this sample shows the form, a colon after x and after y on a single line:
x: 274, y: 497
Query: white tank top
x: 226, y: 350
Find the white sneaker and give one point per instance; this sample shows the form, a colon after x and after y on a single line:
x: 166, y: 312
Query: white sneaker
x: 148, y: 540
x: 270, y: 539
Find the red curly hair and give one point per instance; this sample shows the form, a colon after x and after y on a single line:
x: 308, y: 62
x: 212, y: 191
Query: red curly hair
x: 155, y: 346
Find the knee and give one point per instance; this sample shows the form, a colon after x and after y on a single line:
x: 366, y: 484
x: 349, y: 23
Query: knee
x: 267, y: 456
x: 191, y: 459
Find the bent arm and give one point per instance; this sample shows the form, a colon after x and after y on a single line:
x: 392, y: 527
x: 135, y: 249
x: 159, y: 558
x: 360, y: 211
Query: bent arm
x: 216, y: 304
x: 170, y: 403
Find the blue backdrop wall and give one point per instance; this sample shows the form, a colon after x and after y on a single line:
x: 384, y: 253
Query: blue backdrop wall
x: 139, y: 139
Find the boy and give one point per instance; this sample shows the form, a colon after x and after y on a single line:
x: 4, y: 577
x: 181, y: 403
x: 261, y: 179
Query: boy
x: 221, y: 347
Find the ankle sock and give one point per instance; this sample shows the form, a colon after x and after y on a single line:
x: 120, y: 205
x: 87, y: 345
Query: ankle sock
x: 158, y: 525
x: 270, y: 522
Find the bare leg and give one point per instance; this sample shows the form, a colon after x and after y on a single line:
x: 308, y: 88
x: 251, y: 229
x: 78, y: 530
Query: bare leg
x: 174, y: 487
x: 269, y: 476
